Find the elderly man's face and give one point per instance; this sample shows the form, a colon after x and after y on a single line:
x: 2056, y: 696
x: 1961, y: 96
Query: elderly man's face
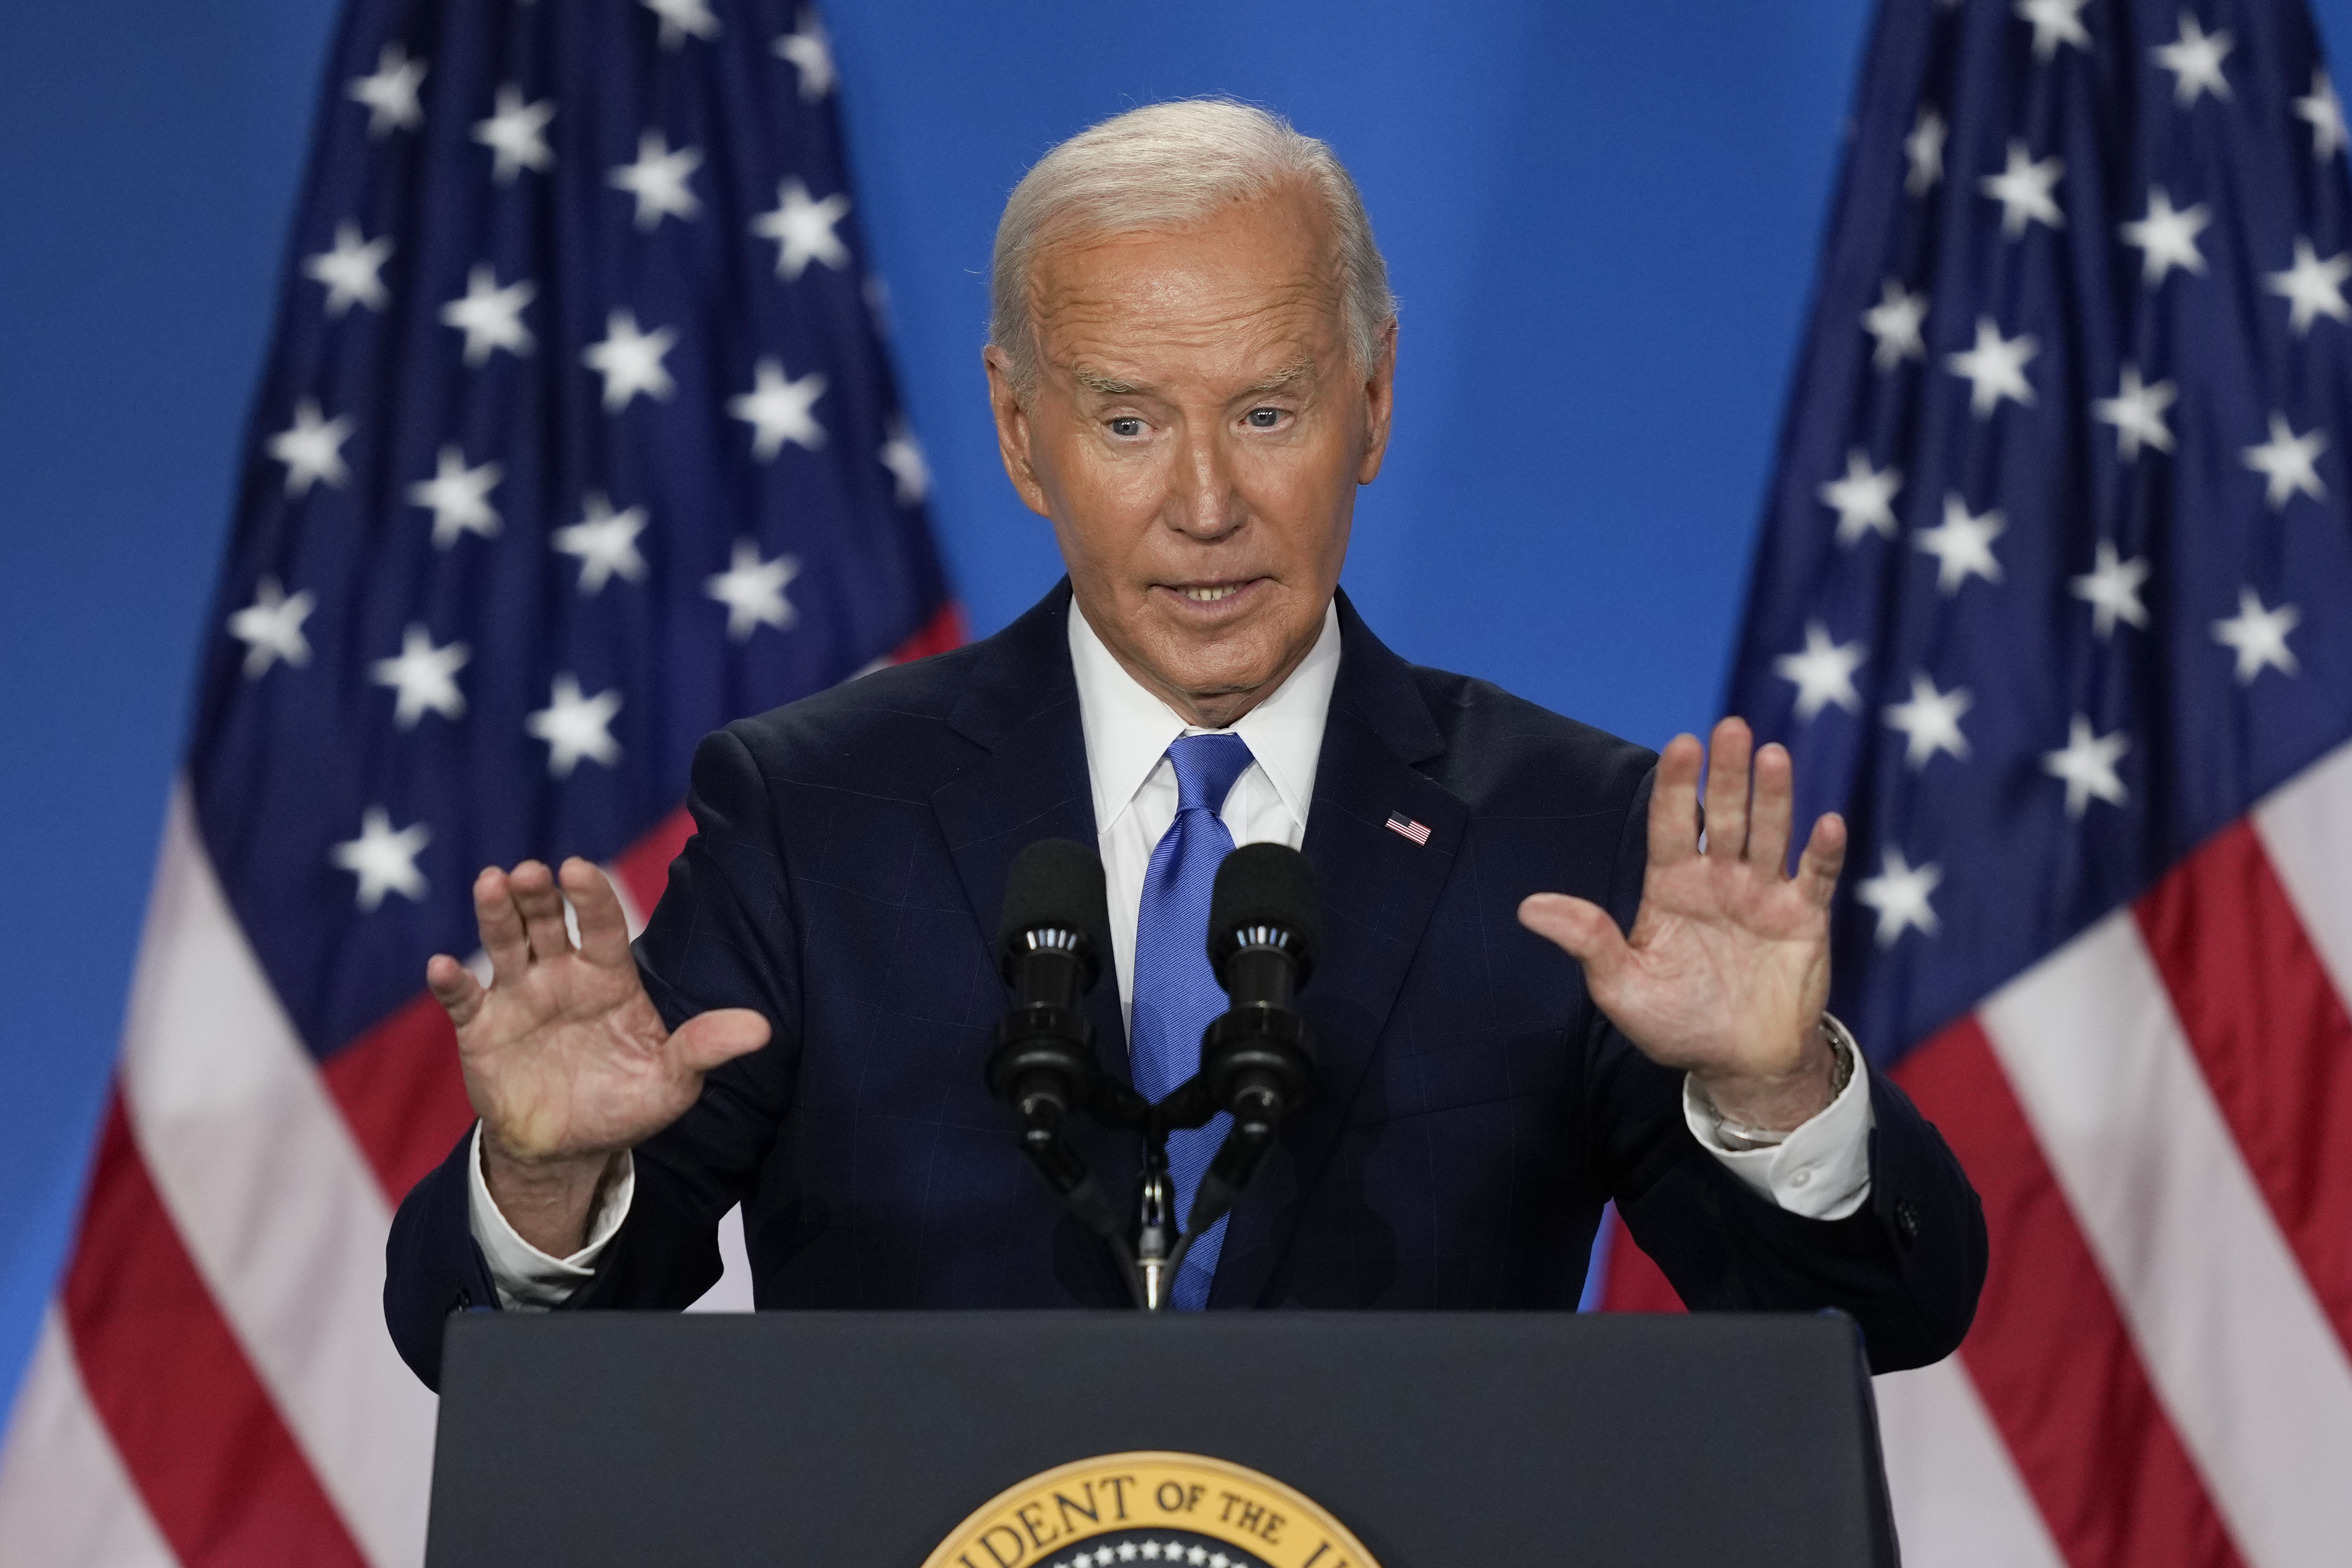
x: 1196, y: 435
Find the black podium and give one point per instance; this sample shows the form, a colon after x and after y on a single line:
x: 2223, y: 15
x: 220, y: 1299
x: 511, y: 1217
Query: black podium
x: 1427, y: 1440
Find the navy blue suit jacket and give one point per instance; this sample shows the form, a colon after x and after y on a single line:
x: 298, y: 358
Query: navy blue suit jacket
x: 1474, y: 1109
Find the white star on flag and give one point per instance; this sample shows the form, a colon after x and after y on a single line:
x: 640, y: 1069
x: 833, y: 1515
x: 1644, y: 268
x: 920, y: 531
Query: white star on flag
x: 810, y: 53
x: 658, y: 179
x: 312, y: 450
x: 2166, y: 238
x: 2288, y: 461
x: 2111, y: 590
x: 459, y: 497
x: 777, y: 409
x: 753, y: 591
x: 630, y: 360
x: 1822, y: 672
x: 2314, y: 286
x: 2324, y: 113
x: 681, y: 18
x: 2137, y: 414
x: 390, y: 94
x: 1995, y: 368
x: 1151, y: 1549
x: 424, y: 676
x: 1962, y: 545
x: 2259, y: 636
x: 903, y: 456
x: 517, y: 134
x: 802, y: 230
x: 2087, y: 765
x: 492, y: 317
x: 352, y: 271
x: 271, y: 628
x: 604, y: 541
x: 2055, y: 22
x: 574, y: 726
x: 1924, y: 150
x: 384, y: 861
x: 1894, y: 325
x: 2194, y: 59
x: 1899, y: 893
x: 1861, y: 498
x: 1930, y: 721
x: 2023, y: 189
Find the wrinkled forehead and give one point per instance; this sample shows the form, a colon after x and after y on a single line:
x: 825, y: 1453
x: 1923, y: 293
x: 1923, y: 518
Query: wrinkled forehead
x: 1258, y: 281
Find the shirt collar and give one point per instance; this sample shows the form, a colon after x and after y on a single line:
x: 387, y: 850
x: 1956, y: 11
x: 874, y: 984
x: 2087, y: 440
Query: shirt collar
x: 1128, y: 728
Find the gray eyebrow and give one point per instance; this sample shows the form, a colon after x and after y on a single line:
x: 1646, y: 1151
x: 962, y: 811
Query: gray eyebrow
x: 1301, y: 369
x: 1107, y: 385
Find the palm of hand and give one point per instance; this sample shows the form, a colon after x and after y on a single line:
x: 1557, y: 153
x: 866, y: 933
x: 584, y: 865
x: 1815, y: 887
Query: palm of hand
x: 568, y: 1057
x: 1728, y: 966
x: 1726, y: 969
x: 564, y: 1056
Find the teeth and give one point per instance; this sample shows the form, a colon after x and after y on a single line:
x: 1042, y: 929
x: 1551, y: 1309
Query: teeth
x: 1211, y: 595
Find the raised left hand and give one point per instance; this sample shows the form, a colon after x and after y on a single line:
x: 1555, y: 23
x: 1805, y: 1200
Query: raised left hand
x: 1728, y: 969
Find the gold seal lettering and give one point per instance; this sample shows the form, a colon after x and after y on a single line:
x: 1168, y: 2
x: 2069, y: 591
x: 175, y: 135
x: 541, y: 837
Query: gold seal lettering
x: 1097, y: 1499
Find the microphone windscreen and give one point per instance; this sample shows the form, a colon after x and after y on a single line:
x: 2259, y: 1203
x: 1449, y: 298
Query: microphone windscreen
x: 1266, y: 885
x: 1054, y: 883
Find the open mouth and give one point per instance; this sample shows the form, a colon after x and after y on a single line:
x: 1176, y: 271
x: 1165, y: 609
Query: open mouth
x: 1211, y: 595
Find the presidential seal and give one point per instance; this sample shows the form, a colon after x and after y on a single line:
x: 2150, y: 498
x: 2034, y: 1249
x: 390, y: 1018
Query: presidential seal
x: 1151, y: 1510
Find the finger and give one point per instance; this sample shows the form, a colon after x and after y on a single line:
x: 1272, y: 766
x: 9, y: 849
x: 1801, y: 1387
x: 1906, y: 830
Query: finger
x: 1583, y: 929
x: 541, y: 903
x: 1674, y: 802
x: 604, y: 928
x: 500, y: 923
x: 453, y: 986
x: 1817, y: 873
x: 1726, y: 789
x: 708, y: 1040
x: 1770, y: 813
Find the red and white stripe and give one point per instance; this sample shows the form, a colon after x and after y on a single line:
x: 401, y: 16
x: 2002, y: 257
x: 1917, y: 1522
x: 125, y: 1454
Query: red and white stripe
x: 2158, y: 1117
x: 214, y: 1385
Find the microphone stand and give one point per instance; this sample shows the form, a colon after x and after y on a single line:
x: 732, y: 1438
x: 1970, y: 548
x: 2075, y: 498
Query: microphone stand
x: 1257, y: 1059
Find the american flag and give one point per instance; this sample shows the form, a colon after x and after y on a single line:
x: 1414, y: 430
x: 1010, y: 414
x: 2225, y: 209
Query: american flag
x: 577, y: 440
x: 2052, y: 603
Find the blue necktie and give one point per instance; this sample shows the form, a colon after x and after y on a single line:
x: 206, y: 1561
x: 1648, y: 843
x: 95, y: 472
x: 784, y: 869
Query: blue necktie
x: 1176, y: 993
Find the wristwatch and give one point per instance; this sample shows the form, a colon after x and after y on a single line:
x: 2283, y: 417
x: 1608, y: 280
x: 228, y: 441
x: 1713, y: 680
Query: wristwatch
x: 1842, y: 1051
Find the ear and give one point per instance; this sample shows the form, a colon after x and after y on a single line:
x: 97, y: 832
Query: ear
x: 1013, y: 430
x: 1380, y: 404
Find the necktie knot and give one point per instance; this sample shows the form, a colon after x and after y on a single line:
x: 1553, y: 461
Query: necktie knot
x: 1206, y: 768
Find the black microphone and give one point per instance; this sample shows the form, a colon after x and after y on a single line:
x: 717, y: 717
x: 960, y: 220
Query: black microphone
x: 1257, y: 1061
x: 1050, y: 945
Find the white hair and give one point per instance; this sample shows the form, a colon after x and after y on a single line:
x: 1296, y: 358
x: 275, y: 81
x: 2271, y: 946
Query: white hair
x: 1169, y: 166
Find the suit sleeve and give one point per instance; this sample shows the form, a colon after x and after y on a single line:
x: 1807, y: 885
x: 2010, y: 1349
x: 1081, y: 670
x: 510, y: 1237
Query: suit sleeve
x: 724, y: 935
x: 1907, y: 1266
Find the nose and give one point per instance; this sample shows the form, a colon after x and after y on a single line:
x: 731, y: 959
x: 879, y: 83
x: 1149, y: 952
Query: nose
x: 1204, y: 501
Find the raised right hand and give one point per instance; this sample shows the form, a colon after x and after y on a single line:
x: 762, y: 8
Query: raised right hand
x: 566, y: 1060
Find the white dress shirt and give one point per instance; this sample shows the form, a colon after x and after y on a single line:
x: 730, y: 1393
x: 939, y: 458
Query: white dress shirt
x: 1821, y: 1171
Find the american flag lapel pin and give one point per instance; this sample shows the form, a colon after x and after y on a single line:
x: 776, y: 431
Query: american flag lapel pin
x: 1399, y: 823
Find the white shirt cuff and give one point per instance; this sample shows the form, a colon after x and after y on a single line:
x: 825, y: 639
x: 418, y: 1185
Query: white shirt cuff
x: 528, y: 1280
x: 1822, y: 1171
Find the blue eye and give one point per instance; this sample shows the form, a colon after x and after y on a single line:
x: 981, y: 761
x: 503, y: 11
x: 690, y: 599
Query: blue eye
x: 1264, y: 418
x: 1126, y: 428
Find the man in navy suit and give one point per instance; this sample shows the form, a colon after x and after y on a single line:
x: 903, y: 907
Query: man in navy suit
x: 1543, y: 987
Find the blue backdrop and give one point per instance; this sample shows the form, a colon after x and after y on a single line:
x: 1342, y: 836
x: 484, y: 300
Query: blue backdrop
x: 1601, y: 217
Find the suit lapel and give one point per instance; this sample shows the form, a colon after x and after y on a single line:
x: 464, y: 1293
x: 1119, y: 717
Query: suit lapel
x: 1378, y: 889
x: 1023, y: 706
